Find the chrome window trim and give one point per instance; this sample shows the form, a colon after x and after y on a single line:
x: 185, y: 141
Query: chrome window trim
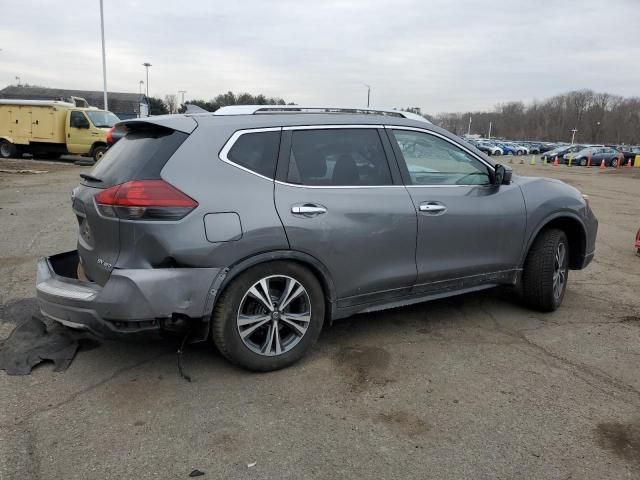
x: 287, y: 184
x: 223, y: 155
x: 329, y: 127
x: 446, y: 139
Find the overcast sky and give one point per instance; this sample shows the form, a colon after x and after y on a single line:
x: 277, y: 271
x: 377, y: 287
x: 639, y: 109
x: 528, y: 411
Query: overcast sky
x: 439, y: 55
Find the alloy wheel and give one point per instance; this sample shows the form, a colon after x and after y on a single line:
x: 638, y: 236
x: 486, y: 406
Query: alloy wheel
x: 559, y: 270
x: 274, y: 315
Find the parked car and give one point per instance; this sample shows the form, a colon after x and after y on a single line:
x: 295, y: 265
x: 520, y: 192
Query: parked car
x: 507, y: 149
x: 488, y: 148
x: 521, y: 149
x: 598, y: 154
x: 546, y: 147
x: 115, y: 133
x: 534, y: 148
x: 565, y: 151
x: 629, y: 153
x: 257, y: 225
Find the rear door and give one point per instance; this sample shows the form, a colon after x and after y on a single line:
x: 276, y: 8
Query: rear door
x: 469, y: 232
x: 140, y: 155
x: 340, y: 202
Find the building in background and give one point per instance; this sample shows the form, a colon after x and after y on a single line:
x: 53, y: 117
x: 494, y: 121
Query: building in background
x: 124, y: 105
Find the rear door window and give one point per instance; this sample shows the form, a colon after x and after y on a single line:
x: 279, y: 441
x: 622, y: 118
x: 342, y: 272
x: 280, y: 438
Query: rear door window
x: 338, y: 157
x: 139, y: 155
x: 256, y: 151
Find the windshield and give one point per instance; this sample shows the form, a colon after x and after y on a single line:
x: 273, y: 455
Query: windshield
x: 102, y: 119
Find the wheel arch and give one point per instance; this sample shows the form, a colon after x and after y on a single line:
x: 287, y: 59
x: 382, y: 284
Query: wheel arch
x: 575, y: 231
x: 97, y: 144
x: 224, y: 279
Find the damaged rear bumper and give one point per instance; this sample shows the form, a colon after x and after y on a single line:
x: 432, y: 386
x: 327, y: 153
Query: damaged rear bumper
x: 133, y: 301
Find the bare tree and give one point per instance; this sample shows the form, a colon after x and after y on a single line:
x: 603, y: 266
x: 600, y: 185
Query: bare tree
x: 172, y: 103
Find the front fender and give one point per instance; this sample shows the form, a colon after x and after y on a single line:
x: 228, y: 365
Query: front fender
x: 550, y: 201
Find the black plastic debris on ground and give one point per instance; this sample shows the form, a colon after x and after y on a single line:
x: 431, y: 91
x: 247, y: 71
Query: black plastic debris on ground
x: 32, y: 343
x: 196, y: 473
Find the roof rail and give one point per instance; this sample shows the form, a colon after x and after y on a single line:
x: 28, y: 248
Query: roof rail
x: 275, y: 109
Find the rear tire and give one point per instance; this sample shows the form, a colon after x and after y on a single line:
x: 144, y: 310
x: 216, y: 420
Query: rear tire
x: 546, y: 271
x: 283, y: 332
x: 8, y: 149
x: 614, y: 163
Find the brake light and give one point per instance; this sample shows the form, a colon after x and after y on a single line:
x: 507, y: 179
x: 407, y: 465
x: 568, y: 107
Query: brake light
x: 144, y: 199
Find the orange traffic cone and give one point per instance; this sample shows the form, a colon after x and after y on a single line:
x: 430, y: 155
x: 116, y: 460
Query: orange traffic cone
x: 602, y: 165
x: 589, y: 161
x: 629, y: 164
x: 555, y: 162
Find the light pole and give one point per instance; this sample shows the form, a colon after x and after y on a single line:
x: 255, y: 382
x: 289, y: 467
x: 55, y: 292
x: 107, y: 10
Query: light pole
x: 368, y: 93
x: 469, y: 129
x: 597, y: 131
x: 147, y: 65
x: 182, y: 92
x: 573, y: 135
x: 489, y: 131
x: 104, y: 58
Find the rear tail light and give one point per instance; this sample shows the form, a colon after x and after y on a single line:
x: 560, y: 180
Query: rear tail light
x: 144, y: 200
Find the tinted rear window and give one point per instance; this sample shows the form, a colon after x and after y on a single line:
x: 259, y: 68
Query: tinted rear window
x: 139, y: 155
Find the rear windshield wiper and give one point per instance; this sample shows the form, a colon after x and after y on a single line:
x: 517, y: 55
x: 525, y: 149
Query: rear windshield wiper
x: 90, y: 178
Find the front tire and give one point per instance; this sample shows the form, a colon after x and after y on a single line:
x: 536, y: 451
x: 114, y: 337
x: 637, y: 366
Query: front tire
x: 98, y: 152
x: 269, y: 316
x: 546, y: 271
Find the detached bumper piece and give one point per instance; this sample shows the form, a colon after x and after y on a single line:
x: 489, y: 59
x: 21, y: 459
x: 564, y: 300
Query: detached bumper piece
x: 133, y: 301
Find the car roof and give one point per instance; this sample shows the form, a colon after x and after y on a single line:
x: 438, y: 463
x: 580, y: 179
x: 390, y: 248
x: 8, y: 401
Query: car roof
x: 238, y: 121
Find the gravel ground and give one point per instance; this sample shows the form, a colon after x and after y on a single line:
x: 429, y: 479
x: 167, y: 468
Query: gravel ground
x: 471, y: 387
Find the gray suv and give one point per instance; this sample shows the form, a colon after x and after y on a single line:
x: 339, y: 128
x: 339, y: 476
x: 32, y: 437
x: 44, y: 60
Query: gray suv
x: 255, y: 226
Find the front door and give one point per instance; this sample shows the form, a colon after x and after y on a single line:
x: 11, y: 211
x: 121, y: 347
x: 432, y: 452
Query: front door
x: 339, y: 202
x: 469, y: 231
x: 79, y: 138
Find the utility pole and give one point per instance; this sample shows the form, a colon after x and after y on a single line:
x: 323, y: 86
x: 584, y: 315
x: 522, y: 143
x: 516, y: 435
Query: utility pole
x: 104, y: 58
x: 489, y: 131
x: 573, y: 136
x: 147, y: 65
x: 182, y: 92
x: 368, y: 93
x: 469, y: 129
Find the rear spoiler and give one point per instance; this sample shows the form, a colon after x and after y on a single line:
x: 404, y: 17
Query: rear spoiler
x: 180, y: 123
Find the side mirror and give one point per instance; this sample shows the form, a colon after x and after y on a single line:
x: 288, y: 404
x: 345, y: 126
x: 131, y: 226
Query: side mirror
x: 502, y: 175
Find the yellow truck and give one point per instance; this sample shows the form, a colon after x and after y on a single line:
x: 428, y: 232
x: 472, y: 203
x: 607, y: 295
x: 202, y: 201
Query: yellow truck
x: 49, y: 129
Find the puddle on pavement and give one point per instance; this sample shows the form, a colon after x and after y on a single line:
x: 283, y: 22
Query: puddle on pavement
x: 623, y: 439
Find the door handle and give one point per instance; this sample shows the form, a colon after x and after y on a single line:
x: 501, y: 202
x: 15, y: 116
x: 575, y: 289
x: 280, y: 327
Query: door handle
x: 308, y: 209
x: 432, y: 207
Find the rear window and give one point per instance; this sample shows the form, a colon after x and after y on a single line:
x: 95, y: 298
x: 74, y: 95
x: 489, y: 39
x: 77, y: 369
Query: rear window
x: 139, y: 155
x: 257, y: 151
